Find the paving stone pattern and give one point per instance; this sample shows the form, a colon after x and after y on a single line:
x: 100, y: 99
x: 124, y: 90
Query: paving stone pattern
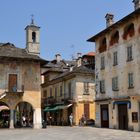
x: 68, y: 133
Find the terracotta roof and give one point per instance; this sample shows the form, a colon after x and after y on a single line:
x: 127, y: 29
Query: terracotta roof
x: 90, y: 54
x: 115, y: 25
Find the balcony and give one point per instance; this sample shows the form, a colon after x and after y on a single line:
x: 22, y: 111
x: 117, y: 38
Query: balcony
x: 15, y: 90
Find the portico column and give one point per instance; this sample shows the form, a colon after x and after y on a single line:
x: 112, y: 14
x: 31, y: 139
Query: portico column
x: 11, y: 119
x: 37, y: 121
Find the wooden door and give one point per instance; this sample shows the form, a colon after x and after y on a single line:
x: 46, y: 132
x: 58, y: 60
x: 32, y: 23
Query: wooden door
x: 12, y: 82
x: 104, y: 116
x: 87, y: 111
x: 123, y: 116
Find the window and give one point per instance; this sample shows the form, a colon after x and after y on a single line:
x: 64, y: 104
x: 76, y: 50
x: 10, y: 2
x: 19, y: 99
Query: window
x: 86, y: 88
x: 102, y: 62
x: 45, y: 94
x: 34, y: 36
x: 55, y: 92
x: 130, y: 80
x: 50, y: 92
x: 115, y: 84
x: 115, y: 58
x: 114, y: 38
x: 103, y: 45
x: 61, y: 91
x: 102, y: 86
x: 128, y: 31
x: 12, y: 83
x: 69, y: 90
x: 129, y: 53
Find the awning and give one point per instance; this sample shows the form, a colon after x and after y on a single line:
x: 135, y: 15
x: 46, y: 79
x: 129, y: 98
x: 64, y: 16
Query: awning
x: 3, y: 107
x: 59, y: 107
x: 50, y: 109
x: 122, y: 102
x: 64, y: 106
x: 2, y: 95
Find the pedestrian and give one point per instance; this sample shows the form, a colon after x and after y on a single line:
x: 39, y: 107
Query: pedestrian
x: 23, y: 120
x: 83, y: 120
x: 71, y: 119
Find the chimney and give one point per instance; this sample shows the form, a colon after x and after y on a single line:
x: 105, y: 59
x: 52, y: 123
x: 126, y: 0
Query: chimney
x: 109, y: 19
x: 79, y: 61
x: 58, y: 57
x: 136, y: 4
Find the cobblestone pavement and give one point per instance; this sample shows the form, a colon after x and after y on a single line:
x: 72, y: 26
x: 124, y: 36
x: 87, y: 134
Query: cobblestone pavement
x: 68, y: 133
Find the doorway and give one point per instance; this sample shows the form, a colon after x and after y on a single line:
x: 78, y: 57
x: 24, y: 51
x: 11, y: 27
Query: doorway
x: 104, y: 116
x: 123, y: 116
x: 4, y: 115
x: 24, y: 115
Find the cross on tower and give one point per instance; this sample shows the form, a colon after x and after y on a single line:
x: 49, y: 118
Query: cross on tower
x: 32, y: 19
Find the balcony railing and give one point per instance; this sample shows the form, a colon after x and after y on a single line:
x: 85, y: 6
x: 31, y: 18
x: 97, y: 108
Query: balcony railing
x: 15, y: 90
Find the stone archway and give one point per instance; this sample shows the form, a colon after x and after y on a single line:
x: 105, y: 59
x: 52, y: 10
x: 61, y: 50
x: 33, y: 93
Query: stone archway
x: 4, y: 115
x: 23, y: 115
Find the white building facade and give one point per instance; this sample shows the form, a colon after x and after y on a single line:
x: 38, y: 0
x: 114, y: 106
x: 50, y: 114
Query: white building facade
x: 118, y: 72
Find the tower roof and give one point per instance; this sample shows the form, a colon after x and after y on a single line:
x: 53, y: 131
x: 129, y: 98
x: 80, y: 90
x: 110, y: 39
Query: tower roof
x: 32, y: 24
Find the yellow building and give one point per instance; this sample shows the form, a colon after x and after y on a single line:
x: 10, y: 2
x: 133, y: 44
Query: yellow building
x: 72, y: 91
x: 20, y: 91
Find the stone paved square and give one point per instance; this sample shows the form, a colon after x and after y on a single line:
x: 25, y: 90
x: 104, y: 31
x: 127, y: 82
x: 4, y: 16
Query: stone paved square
x: 68, y: 133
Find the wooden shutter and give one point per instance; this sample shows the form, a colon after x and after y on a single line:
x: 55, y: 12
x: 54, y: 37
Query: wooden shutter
x: 86, y: 110
x: 12, y: 82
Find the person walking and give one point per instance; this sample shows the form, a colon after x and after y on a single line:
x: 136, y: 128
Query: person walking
x: 71, y: 119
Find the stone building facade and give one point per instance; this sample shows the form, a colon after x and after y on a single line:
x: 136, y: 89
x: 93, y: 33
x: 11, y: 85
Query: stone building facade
x: 71, y: 91
x: 20, y: 79
x: 117, y: 72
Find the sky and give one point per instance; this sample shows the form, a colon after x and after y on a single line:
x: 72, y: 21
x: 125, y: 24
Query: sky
x: 65, y: 24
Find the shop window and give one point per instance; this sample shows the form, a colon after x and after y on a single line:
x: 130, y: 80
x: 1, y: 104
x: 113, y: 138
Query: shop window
x: 128, y: 31
x: 114, y: 38
x: 103, y: 46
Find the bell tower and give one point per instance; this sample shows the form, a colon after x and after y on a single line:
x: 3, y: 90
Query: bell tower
x: 33, y: 38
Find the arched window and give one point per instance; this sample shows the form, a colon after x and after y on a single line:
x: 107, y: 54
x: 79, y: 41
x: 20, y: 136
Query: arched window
x: 114, y: 38
x: 34, y: 36
x: 103, y: 45
x: 128, y: 31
